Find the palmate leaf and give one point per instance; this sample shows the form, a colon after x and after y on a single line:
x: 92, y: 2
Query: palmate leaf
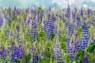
x: 47, y: 50
x: 79, y: 32
x: 67, y: 58
x: 19, y: 60
x: 63, y: 37
x: 27, y: 58
x: 91, y: 48
x: 91, y: 58
x: 41, y: 36
x: 3, y: 37
x: 53, y: 35
x: 50, y: 60
x: 79, y: 56
x: 27, y: 37
x: 41, y: 60
x: 63, y: 41
x: 47, y: 53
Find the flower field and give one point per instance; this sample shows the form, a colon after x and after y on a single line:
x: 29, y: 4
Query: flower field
x: 47, y: 36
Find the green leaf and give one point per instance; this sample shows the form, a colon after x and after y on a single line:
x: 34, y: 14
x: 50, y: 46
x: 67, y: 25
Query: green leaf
x: 41, y: 36
x: 19, y: 60
x: 91, y: 48
x: 80, y: 55
x: 27, y: 57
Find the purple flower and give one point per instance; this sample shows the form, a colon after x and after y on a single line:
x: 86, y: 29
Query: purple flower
x: 34, y: 31
x: 85, y: 37
x: 73, y: 15
x: 34, y: 12
x: 17, y: 28
x: 78, y: 22
x: 71, y: 28
x: 16, y: 53
x: 85, y: 59
x: 1, y: 21
x: 89, y: 12
x: 3, y: 52
x: 35, y: 58
x: 28, y: 21
x: 6, y: 16
x: 68, y: 12
x: 49, y: 28
x: 81, y: 12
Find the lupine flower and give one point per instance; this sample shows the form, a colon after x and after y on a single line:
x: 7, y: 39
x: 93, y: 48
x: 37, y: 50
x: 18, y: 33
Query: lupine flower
x: 34, y: 31
x: 70, y: 51
x: 28, y: 21
x: 17, y: 53
x: 61, y: 17
x: 71, y: 28
x: 17, y: 28
x: 57, y: 49
x: 68, y: 12
x: 76, y: 46
x: 85, y: 37
x: 49, y: 28
x: 75, y: 10
x: 37, y: 21
x: 1, y: 21
x: 1, y: 51
x: 35, y: 58
x: 6, y: 16
x: 78, y: 22
x: 34, y: 12
x: 89, y: 12
x: 73, y: 15
x: 4, y: 55
x: 81, y: 12
x: 85, y: 59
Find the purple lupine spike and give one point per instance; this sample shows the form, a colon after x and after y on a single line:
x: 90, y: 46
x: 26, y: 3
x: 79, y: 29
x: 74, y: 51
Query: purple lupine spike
x: 49, y: 27
x: 1, y: 51
x: 85, y: 37
x: 34, y: 31
x: 81, y: 12
x: 89, y: 12
x: 71, y: 28
x: 4, y: 53
x: 78, y: 22
x: 73, y: 15
x: 35, y: 58
x: 28, y: 21
x: 61, y: 17
x: 53, y: 18
x: 6, y: 16
x: 34, y: 12
x: 70, y: 51
x: 17, y: 53
x: 68, y: 12
x: 37, y: 20
x: 85, y: 59
x: 1, y: 21
x: 17, y: 28
x: 75, y: 10
x: 57, y: 49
